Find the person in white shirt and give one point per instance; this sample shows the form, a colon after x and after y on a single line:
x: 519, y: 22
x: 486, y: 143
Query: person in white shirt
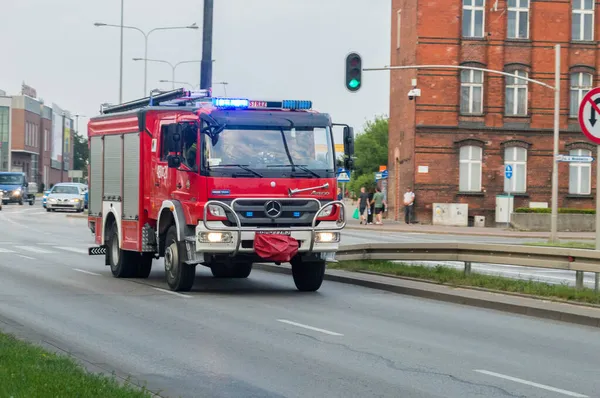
x: 409, y: 200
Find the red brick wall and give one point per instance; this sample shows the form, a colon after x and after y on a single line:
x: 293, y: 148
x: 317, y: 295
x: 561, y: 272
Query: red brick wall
x: 435, y: 114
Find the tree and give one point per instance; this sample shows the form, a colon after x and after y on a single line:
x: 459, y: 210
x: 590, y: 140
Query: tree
x: 370, y: 151
x: 81, y: 153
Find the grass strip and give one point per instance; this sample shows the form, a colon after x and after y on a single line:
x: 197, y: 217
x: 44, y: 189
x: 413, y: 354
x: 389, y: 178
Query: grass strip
x: 29, y: 371
x: 569, y: 244
x: 457, y: 278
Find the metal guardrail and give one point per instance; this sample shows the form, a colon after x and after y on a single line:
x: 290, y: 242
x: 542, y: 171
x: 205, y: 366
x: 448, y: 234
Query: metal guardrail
x: 579, y: 260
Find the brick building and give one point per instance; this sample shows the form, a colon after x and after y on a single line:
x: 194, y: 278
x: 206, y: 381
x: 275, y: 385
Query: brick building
x: 35, y: 139
x: 452, y: 142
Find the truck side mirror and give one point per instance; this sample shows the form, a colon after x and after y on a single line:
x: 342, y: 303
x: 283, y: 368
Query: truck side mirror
x: 173, y: 161
x: 348, y: 141
x: 174, y: 137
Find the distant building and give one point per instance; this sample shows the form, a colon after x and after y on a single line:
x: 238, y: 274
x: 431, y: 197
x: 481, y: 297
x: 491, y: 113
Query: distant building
x: 451, y: 144
x: 35, y: 138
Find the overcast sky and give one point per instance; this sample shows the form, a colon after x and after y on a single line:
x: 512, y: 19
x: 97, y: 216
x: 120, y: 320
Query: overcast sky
x: 264, y: 49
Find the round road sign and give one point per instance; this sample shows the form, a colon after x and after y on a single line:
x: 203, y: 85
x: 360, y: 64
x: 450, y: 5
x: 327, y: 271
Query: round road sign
x: 589, y: 115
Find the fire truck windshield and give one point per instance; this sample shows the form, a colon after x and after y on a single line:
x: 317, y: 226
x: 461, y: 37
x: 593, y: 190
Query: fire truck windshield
x: 270, y: 152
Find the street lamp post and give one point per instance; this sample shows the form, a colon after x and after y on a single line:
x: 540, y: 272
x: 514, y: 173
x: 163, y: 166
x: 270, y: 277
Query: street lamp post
x: 146, y: 35
x: 173, y: 67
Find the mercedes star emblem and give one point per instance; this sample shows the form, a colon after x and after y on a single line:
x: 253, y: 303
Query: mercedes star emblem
x: 273, y: 209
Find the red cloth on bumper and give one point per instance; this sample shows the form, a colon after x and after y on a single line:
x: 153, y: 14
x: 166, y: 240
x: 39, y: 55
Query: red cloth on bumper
x: 275, y: 247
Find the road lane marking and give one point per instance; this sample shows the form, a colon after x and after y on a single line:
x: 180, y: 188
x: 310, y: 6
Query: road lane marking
x: 86, y: 272
x: 27, y: 257
x: 530, y: 383
x: 6, y: 250
x: 72, y: 249
x: 34, y: 249
x: 170, y: 292
x: 309, y: 327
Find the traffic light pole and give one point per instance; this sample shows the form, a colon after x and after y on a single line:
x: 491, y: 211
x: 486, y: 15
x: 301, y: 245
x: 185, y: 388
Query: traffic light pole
x: 555, y: 88
x: 207, y: 35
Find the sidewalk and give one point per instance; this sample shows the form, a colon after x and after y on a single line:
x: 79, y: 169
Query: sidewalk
x: 395, y: 226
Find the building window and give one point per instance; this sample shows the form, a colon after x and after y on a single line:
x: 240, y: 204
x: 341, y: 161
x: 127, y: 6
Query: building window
x: 516, y: 94
x: 517, y: 158
x: 471, y: 85
x: 582, y: 28
x: 470, y: 169
x: 581, y: 83
x: 580, y: 174
x: 518, y: 19
x: 473, y: 18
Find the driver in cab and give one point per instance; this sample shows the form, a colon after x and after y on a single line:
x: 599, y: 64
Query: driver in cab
x: 190, y: 147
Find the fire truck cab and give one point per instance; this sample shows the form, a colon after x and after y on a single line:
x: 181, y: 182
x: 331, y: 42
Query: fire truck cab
x: 220, y: 182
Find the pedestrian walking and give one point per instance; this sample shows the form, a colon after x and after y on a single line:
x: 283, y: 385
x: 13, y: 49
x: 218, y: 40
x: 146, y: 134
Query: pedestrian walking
x: 363, y: 202
x: 378, y: 205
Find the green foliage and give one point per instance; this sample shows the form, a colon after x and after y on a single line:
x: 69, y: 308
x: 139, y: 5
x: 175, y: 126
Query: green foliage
x: 370, y: 151
x: 29, y: 371
x: 81, y: 154
x: 549, y: 211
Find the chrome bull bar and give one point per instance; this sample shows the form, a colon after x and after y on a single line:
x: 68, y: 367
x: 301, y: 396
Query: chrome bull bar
x: 239, y: 229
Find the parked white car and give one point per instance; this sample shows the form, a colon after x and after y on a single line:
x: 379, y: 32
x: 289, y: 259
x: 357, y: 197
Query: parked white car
x: 66, y: 196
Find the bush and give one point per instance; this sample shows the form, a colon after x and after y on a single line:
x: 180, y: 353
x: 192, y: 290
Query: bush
x: 548, y: 210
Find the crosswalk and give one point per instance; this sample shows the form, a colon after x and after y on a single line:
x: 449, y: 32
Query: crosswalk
x: 42, y: 248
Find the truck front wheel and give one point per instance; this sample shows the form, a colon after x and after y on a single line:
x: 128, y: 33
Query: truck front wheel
x: 308, y: 275
x: 180, y: 276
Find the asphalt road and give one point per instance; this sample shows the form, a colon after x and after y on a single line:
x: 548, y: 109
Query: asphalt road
x: 261, y: 338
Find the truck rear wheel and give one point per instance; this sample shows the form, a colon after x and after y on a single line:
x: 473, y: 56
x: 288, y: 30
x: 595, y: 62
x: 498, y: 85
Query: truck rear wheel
x: 180, y: 276
x: 122, y: 263
x: 308, y: 275
x: 236, y: 270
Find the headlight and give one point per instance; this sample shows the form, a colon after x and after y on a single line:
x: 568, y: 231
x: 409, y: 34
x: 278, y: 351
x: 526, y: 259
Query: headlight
x: 76, y: 200
x: 215, y: 237
x: 327, y: 237
x: 52, y: 200
x: 326, y: 212
x: 17, y: 192
x: 216, y: 210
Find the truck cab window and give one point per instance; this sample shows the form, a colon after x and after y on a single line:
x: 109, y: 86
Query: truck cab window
x: 190, y: 147
x: 164, y: 145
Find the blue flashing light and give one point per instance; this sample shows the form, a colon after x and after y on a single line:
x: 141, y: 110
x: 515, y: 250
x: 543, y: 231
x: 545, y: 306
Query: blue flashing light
x: 296, y: 214
x: 249, y: 214
x: 231, y: 103
x: 296, y: 104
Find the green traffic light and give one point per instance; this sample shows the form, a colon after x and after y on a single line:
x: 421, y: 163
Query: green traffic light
x: 353, y: 83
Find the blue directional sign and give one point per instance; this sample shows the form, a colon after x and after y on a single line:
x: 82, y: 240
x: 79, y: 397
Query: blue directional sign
x: 343, y: 175
x: 508, y: 171
x: 384, y: 174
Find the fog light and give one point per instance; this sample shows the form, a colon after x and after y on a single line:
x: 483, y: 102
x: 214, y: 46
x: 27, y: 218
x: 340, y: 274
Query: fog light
x: 215, y: 237
x: 327, y: 237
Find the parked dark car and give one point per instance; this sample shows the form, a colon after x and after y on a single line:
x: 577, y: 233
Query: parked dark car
x: 14, y: 188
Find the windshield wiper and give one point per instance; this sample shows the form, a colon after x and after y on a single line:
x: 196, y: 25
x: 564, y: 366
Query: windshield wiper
x: 300, y: 166
x: 241, y: 166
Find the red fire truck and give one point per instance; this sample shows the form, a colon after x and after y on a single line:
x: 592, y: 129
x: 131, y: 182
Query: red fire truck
x: 221, y: 182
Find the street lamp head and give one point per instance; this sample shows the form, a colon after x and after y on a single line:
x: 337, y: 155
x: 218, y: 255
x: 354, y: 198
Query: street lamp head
x: 164, y: 81
x: 138, y: 59
x: 193, y: 26
x: 99, y: 24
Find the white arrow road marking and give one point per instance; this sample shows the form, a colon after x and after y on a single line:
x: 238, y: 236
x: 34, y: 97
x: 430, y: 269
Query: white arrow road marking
x: 530, y: 383
x: 309, y: 327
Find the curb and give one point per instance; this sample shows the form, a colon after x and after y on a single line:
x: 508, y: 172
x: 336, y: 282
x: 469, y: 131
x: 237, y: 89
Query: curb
x: 460, y: 296
x: 491, y: 235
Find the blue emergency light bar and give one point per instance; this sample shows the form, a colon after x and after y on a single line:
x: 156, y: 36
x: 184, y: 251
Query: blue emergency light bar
x: 241, y: 103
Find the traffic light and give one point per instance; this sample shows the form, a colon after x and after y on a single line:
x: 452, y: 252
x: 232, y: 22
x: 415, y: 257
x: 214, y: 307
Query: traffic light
x: 353, y: 72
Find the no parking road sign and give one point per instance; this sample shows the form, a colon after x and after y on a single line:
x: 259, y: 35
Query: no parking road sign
x: 589, y: 115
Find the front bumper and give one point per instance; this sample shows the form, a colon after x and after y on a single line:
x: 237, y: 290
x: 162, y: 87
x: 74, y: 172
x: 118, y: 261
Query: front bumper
x: 10, y: 197
x: 64, y: 205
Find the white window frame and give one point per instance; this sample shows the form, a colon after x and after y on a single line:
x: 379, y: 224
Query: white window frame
x: 470, y: 84
x: 580, y: 89
x: 580, y: 13
x: 474, y: 9
x: 516, y: 85
x: 518, y: 10
x: 581, y: 168
x: 471, y: 180
x: 398, y: 28
x: 512, y: 160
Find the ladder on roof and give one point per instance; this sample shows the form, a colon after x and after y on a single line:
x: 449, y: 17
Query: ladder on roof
x: 179, y: 97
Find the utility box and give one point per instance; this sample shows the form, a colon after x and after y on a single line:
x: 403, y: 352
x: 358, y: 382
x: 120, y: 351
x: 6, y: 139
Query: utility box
x: 504, y: 208
x: 479, y: 221
x: 451, y: 214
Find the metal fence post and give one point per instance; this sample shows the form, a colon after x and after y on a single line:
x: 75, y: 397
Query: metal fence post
x: 579, y: 279
x: 597, y: 283
x: 467, y: 268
